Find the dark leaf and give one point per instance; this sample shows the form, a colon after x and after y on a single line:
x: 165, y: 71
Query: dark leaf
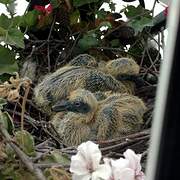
x: 74, y: 17
x: 115, y: 43
x: 88, y: 41
x: 138, y: 25
x: 132, y: 11
x: 78, y: 3
x: 101, y: 14
x: 55, y: 3
x: 112, y: 6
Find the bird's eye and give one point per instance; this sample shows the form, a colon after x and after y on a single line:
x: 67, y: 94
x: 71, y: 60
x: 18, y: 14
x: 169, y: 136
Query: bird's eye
x: 77, y: 104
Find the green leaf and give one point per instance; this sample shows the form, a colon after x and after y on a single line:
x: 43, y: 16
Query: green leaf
x: 5, y: 22
x: 13, y: 37
x: 7, y: 121
x: 2, y: 32
x: 132, y: 11
x: 26, y: 141
x: 78, y: 3
x: 6, y: 1
x: 7, y: 61
x: 29, y: 19
x: 88, y: 41
x: 138, y: 25
x: 101, y: 14
x: 56, y: 157
x: 17, y: 20
x: 9, y: 32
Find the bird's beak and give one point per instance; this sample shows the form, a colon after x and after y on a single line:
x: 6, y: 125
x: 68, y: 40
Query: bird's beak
x: 61, y: 106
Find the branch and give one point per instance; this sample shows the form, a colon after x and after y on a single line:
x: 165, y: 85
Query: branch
x: 23, y: 157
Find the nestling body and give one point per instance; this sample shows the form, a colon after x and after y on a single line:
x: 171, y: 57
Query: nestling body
x: 88, y: 119
x: 58, y: 85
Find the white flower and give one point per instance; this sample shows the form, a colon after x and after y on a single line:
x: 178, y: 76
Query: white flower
x: 134, y: 163
x: 85, y: 165
x: 120, y: 169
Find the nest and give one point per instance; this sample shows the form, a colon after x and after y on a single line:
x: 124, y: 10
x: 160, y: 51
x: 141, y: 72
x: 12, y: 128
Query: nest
x: 53, y: 53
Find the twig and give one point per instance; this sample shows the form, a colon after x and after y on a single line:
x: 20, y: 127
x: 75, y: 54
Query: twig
x: 28, y: 119
x: 49, y: 59
x: 142, y: 58
x: 71, y: 50
x: 49, y: 36
x: 43, y: 143
x: 131, y: 136
x: 52, y: 26
x: 49, y: 165
x: 24, y: 106
x: 40, y: 156
x: 23, y: 157
x: 51, y: 135
x: 123, y: 144
x: 115, y: 49
x: 150, y: 59
x: 158, y: 43
x: 32, y: 52
x: 154, y: 5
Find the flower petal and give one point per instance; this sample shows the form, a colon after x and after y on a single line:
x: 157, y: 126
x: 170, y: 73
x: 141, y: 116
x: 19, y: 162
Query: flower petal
x: 121, y: 169
x: 91, y: 153
x: 81, y: 177
x: 103, y: 172
x: 78, y: 165
x: 134, y: 160
x: 124, y: 174
x: 120, y: 163
x: 140, y: 176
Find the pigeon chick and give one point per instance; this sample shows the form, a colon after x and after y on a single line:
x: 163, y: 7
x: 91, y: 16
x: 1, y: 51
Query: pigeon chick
x: 58, y: 85
x: 89, y: 119
x: 84, y: 60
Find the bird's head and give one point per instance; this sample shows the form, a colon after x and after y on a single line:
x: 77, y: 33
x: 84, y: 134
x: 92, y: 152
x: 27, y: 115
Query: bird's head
x: 122, y: 66
x: 79, y: 101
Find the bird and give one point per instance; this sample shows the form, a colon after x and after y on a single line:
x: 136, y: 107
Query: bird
x: 124, y: 65
x: 124, y: 69
x: 58, y: 85
x: 84, y: 60
x: 89, y: 119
